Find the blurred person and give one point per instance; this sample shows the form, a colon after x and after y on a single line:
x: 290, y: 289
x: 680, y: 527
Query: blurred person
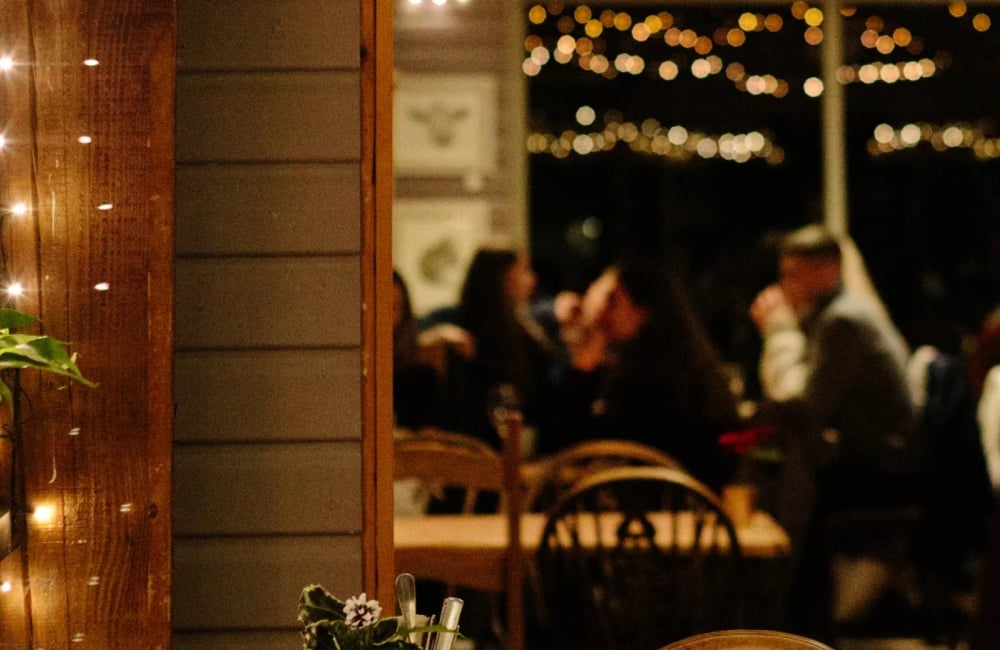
x: 642, y: 368
x: 833, y: 375
x: 416, y: 390
x: 508, y: 345
x: 984, y: 371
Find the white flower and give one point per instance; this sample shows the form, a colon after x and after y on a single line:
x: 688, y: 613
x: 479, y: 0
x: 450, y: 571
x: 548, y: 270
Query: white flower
x: 360, y: 612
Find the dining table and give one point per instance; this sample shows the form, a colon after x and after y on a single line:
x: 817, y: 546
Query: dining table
x: 470, y: 550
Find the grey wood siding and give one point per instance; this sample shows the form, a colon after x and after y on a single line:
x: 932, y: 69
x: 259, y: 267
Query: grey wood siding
x: 267, y: 372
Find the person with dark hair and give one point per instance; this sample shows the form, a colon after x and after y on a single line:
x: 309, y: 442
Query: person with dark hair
x: 644, y: 369
x: 510, y: 347
x: 416, y: 390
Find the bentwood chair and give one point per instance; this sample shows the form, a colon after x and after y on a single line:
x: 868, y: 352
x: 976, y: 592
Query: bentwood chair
x: 635, y: 557
x: 747, y: 640
x: 556, y: 474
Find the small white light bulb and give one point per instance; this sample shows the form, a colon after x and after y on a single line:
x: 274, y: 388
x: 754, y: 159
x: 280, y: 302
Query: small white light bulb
x: 105, y: 206
x: 5, y: 587
x: 15, y: 289
x: 84, y: 139
x: 3, y: 141
x: 44, y: 514
x: 19, y: 209
x: 102, y: 286
x: 91, y: 62
x: 6, y: 63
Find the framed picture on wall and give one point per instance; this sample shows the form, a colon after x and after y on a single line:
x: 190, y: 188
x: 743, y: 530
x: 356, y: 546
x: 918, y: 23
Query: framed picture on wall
x: 444, y: 125
x: 433, y: 241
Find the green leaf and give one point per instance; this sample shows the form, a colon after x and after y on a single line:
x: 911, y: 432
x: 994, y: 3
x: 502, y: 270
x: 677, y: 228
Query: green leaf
x: 12, y: 319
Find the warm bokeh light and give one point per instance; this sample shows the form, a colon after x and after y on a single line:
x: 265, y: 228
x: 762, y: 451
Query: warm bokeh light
x: 19, y: 209
x: 585, y: 115
x: 813, y: 17
x: 957, y: 8
x: 91, y: 62
x: 6, y: 63
x: 813, y: 87
x: 813, y: 35
x: 15, y: 290
x: 582, y: 14
x: 668, y: 70
x: 981, y: 22
x: 44, y: 514
x: 593, y: 28
x: 736, y: 37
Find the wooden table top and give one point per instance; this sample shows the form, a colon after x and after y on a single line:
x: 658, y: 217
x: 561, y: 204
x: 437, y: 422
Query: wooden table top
x: 469, y: 550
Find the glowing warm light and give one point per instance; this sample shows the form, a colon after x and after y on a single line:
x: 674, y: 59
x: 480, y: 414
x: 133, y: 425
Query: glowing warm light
x: 654, y: 23
x: 90, y: 63
x: 6, y: 63
x: 813, y: 35
x: 747, y: 21
x: 582, y: 14
x: 439, y: 2
x: 952, y: 137
x: 902, y: 36
x: 813, y: 17
x: 688, y: 38
x: 125, y: 507
x: 530, y: 67
x: 585, y: 115
x: 884, y: 44
x: 868, y: 74
x: 593, y: 28
x: 799, y: 9
x: 19, y: 209
x: 874, y: 23
x: 957, y: 8
x: 668, y: 70
x: 5, y: 587
x: 102, y: 286
x: 813, y: 86
x: 3, y: 141
x: 85, y: 139
x: 105, y: 206
x: 889, y: 74
x: 910, y: 134
x: 622, y: 21
x: 736, y: 37
x: 773, y: 22
x: 672, y: 37
x: 981, y: 22
x: 584, y: 46
x: 15, y: 289
x: 883, y: 133
x: 640, y: 32
x: 703, y: 45
x: 536, y: 15
x: 700, y: 68
x: 44, y: 514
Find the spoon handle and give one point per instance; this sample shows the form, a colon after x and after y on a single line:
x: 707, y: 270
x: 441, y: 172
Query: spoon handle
x: 406, y: 594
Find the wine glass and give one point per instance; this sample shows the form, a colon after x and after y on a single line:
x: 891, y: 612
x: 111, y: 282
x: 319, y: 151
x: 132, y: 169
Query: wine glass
x: 503, y: 407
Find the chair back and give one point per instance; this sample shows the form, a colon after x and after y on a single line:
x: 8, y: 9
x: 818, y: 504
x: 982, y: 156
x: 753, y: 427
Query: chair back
x: 635, y: 557
x: 747, y: 640
x: 445, y: 460
x: 558, y: 473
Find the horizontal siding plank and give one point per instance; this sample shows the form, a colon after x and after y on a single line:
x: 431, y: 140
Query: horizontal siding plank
x: 268, y: 209
x: 293, y: 488
x: 267, y: 34
x: 288, y: 640
x: 254, y: 583
x: 268, y: 302
x: 279, y: 116
x: 268, y: 395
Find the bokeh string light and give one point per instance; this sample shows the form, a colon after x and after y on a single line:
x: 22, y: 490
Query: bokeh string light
x: 588, y: 37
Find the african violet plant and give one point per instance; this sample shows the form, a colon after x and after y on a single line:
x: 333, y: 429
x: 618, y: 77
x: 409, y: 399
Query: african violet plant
x: 331, y: 624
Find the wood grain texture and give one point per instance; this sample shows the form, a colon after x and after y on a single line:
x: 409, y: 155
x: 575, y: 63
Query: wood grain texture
x: 99, y: 570
x: 283, y: 640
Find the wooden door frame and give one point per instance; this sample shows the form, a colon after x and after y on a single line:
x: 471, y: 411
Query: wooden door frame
x: 378, y: 564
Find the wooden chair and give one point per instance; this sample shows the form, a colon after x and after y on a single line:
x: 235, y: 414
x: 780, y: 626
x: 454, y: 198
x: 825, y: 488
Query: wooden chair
x: 634, y: 557
x: 553, y: 476
x: 746, y: 640
x: 446, y: 459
